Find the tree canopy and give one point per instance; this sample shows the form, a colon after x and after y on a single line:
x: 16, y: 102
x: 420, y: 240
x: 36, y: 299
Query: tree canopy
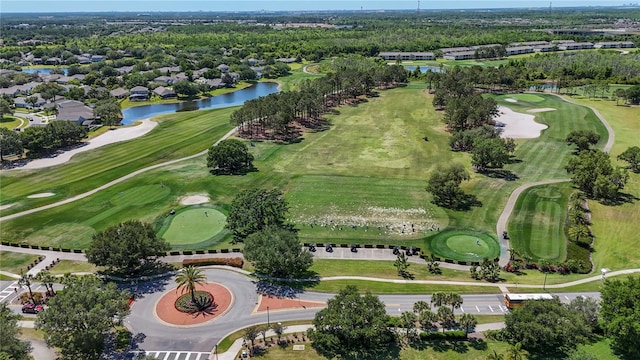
x: 79, y: 317
x: 351, y: 324
x: 276, y: 251
x: 583, y: 139
x: 444, y: 185
x: 620, y: 314
x: 591, y: 171
x: 129, y: 247
x: 546, y: 327
x: 253, y: 210
x: 632, y: 156
x: 10, y: 143
x: 230, y: 156
x: 489, y: 153
x: 11, y: 345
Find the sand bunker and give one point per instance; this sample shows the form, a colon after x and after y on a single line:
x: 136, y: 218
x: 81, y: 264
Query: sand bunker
x: 518, y: 125
x: 533, y: 111
x: 40, y: 195
x: 194, y: 200
x: 511, y: 100
x: 6, y: 206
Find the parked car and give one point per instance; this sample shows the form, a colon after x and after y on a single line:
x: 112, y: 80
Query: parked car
x: 32, y: 308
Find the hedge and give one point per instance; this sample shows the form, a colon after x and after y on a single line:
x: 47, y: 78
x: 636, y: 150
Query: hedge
x: 447, y: 335
x: 235, y: 262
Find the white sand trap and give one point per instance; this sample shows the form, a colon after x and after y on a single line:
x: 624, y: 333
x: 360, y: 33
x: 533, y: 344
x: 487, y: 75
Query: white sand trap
x: 109, y: 137
x: 539, y: 110
x: 6, y: 206
x: 194, y: 200
x: 518, y: 125
x: 40, y: 195
x: 511, y: 100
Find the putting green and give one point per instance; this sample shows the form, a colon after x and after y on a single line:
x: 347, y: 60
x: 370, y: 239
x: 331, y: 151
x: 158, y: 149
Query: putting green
x: 528, y: 97
x: 193, y: 225
x: 464, y: 245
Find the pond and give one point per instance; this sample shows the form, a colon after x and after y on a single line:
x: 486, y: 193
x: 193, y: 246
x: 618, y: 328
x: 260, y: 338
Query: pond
x: 43, y: 71
x: 133, y: 114
x: 425, y: 68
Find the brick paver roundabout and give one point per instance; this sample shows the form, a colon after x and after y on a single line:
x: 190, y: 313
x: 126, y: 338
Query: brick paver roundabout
x: 166, y: 311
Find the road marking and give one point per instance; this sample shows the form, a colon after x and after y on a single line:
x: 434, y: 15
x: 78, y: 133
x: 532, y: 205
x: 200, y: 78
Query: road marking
x: 167, y: 356
x: 174, y: 355
x: 490, y: 308
x: 566, y: 297
x: 9, y: 290
x: 503, y: 308
x: 461, y: 309
x: 477, y: 308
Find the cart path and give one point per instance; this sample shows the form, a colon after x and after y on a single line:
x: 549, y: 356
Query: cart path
x: 114, y: 182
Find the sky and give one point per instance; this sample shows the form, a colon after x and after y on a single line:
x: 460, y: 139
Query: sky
x: 291, y: 5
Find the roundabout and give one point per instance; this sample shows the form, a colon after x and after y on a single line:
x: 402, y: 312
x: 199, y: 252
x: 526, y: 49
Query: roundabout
x: 167, y: 311
x: 464, y: 245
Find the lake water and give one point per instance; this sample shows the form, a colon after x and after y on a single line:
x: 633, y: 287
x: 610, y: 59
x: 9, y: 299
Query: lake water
x: 43, y: 71
x: 425, y: 68
x: 235, y: 98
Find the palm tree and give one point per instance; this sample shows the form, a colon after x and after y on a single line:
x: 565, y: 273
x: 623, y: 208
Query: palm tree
x: 517, y: 353
x: 47, y: 279
x: 455, y: 300
x: 25, y: 281
x: 188, y: 278
x: 579, y: 232
x: 494, y: 356
x: 439, y: 299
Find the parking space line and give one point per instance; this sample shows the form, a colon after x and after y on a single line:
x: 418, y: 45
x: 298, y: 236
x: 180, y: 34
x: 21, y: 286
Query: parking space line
x: 490, y: 308
x: 477, y: 308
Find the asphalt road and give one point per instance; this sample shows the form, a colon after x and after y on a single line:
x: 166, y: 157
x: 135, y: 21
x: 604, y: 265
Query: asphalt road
x: 159, y: 336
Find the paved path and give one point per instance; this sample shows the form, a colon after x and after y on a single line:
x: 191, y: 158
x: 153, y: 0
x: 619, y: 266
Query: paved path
x: 111, y: 183
x: 501, y: 225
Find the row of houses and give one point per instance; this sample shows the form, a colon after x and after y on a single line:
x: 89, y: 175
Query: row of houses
x: 470, y: 52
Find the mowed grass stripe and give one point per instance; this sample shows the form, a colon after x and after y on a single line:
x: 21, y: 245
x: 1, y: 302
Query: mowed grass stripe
x: 185, y: 134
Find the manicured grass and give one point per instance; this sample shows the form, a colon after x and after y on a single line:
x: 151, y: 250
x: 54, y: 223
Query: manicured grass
x: 616, y: 227
x: 11, y: 122
x: 225, y: 343
x: 600, y: 349
x: 536, y: 226
x: 14, y: 262
x: 333, y: 286
x: 193, y: 225
x: 464, y: 245
x: 72, y: 266
x: 462, y: 350
x: 532, y: 98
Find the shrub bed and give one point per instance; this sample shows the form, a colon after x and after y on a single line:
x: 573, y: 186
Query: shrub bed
x: 184, y: 304
x: 235, y: 262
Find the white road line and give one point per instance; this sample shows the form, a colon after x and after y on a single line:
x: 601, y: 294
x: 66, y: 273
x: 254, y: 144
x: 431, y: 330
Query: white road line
x: 490, y: 308
x: 167, y: 356
x: 13, y: 286
x: 477, y: 308
x: 503, y: 308
x: 461, y: 309
x: 566, y: 297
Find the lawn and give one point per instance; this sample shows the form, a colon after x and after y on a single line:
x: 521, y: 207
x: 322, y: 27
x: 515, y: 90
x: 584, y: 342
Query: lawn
x: 72, y: 266
x: 376, y: 287
x: 616, y: 227
x: 11, y: 122
x: 464, y: 245
x: 193, y: 225
x: 536, y: 226
x: 14, y: 262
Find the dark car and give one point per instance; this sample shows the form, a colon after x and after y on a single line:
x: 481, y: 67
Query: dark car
x: 32, y: 308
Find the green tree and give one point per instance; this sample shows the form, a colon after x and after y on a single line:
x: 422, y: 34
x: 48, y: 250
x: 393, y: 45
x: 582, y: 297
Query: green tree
x: 278, y: 329
x: 26, y: 280
x: 591, y: 171
x: 632, y: 156
x: 351, y: 324
x: 130, y: 246
x: 186, y: 89
x: 446, y: 318
x: 516, y: 352
x: 408, y: 321
x: 253, y: 210
x: 108, y: 111
x: 546, y: 327
x: 427, y: 319
x: 79, y: 318
x: 455, y: 300
x: 582, y: 354
x: 489, y: 153
x: 188, y: 278
x: 276, y: 251
x: 468, y: 322
x: 250, y: 334
x: 11, y: 345
x: 421, y: 306
x: 620, y: 314
x: 444, y: 185
x: 494, y: 356
x: 10, y: 143
x: 5, y: 108
x: 230, y: 157
x: 47, y: 279
x: 439, y: 299
x: 633, y: 94
x: 583, y: 139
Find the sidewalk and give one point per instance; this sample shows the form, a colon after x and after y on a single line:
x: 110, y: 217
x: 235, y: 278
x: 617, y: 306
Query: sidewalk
x: 235, y: 348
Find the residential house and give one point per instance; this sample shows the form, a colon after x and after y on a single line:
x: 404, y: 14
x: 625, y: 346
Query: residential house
x: 83, y: 60
x: 53, y: 61
x: 97, y: 58
x: 454, y: 50
x: 139, y: 93
x: 544, y: 48
x: 20, y: 102
x: 614, y: 45
x: 287, y: 60
x: 575, y: 46
x: 76, y: 111
x: 119, y: 93
x: 164, y: 92
x: 461, y: 55
x: 223, y: 68
x: 125, y: 69
x: 407, y: 56
x: 517, y: 50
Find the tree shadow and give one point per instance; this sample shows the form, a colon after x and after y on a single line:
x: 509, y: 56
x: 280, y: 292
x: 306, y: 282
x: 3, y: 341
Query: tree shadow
x: 243, y: 171
x: 621, y: 199
x: 504, y: 174
x: 466, y: 202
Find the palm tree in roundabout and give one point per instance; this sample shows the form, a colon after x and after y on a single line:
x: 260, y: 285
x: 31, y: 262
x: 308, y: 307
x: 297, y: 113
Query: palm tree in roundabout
x: 187, y: 279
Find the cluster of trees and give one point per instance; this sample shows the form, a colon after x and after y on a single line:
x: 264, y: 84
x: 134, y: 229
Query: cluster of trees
x: 355, y: 324
x: 592, y: 172
x: 577, y: 220
x: 488, y: 270
x: 272, y: 116
x: 230, y: 156
x: 257, y: 217
x: 551, y: 329
x: 78, y: 319
x: 444, y: 185
x: 11, y: 346
x: 40, y: 140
